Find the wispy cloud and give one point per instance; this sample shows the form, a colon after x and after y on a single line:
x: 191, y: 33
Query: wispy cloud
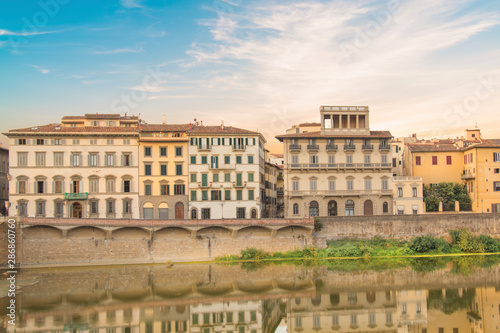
x: 131, y: 3
x: 308, y: 53
x: 41, y: 69
x: 4, y: 32
x: 118, y: 51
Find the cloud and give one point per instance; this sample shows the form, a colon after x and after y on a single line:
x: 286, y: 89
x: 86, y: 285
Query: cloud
x: 4, y: 32
x: 305, y: 54
x: 131, y: 3
x: 117, y: 51
x: 40, y: 69
x: 152, y: 88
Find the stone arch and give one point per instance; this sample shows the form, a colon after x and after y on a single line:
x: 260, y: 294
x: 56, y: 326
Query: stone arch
x: 172, y: 233
x: 219, y: 232
x: 87, y: 232
x: 349, y: 208
x: 41, y: 232
x: 148, y: 210
x: 313, y: 208
x: 130, y: 233
x: 254, y: 232
x: 294, y: 231
x: 332, y: 208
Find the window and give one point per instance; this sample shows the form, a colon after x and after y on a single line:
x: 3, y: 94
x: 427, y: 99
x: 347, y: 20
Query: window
x: 414, y: 209
x: 193, y: 159
x: 227, y: 177
x: 401, y: 210
x: 316, y: 322
x: 448, y: 160
x: 93, y: 185
x: 250, y: 159
x: 251, y: 194
x: 76, y: 142
x: 313, y: 185
x: 147, y: 189
x: 21, y: 187
x: 238, y: 159
x: 385, y: 184
x: 147, y: 169
x: 215, y: 177
x: 250, y: 176
x: 126, y: 141
x: 76, y: 159
x: 21, y: 141
x: 126, y: 159
x: 178, y: 151
x: 388, y: 318
x: 193, y: 196
x: 239, y: 195
x: 179, y: 189
x: 350, y: 185
x: 110, y: 185
x: 418, y: 160
x: 335, y: 320
x: 295, y: 209
x: 368, y: 184
x: 349, y: 208
x: 204, y: 195
x: 126, y: 186
x: 22, y: 208
x: 331, y: 185
x: 367, y: 159
x: 434, y: 160
x: 354, y: 319
x: 385, y: 207
x: 314, y: 159
x: 496, y: 157
x: 164, y: 189
x: 163, y: 169
x: 163, y: 151
x: 400, y: 192
x: 384, y: 159
x: 414, y: 192
x: 40, y: 186
x: 178, y: 169
x: 227, y: 159
x: 40, y: 208
x: 295, y: 185
x: 40, y: 142
x: 496, y: 186
x: 40, y: 159
x: 110, y: 206
x: 295, y: 159
x: 193, y: 178
x: 147, y: 151
x: 93, y: 159
x: 205, y: 213
x: 94, y: 207
x: 349, y: 159
x: 22, y: 159
x: 331, y: 159
x: 203, y: 160
x: 93, y: 142
x: 58, y: 186
x: 227, y: 195
x: 496, y: 170
x: 127, y: 207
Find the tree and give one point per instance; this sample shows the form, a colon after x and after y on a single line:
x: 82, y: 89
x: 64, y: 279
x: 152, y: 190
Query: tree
x: 445, y: 192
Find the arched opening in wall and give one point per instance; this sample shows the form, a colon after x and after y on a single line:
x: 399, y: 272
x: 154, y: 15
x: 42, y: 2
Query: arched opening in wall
x: 385, y: 207
x: 147, y: 211
x: 295, y: 209
x: 163, y: 211
x: 368, y: 209
x: 194, y: 214
x: 76, y: 210
x: 179, y: 211
x: 371, y: 297
x: 316, y: 300
x: 313, y: 208
x: 253, y: 213
x: 332, y: 208
x: 334, y: 299
x: 349, y: 208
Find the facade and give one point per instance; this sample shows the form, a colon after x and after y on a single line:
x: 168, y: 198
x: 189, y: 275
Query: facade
x: 85, y: 166
x: 481, y: 175
x: 4, y: 181
x: 271, y: 171
x: 340, y: 168
x: 408, y: 195
x: 163, y: 171
x: 226, y: 173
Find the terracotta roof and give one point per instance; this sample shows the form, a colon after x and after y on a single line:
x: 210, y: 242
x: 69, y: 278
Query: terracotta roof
x: 102, y: 116
x: 431, y: 147
x: 492, y: 143
x: 52, y: 128
x: 219, y: 130
x: 373, y: 134
x: 308, y: 124
x: 165, y: 127
x: 277, y: 155
x: 73, y: 118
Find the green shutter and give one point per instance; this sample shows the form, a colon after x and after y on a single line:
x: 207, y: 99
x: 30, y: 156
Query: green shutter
x: 230, y: 141
x: 168, y: 189
x: 246, y: 141
x: 254, y: 141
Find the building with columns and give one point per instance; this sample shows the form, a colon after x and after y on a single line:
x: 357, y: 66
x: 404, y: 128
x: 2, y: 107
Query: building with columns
x: 337, y: 167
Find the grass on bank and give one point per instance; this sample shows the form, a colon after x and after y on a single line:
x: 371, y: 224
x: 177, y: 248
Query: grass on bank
x: 462, y: 242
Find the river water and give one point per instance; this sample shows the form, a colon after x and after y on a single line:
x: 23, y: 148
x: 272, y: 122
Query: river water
x: 459, y: 295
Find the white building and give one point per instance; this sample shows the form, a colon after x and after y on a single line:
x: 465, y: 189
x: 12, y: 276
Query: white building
x: 408, y: 195
x: 226, y: 172
x: 84, y: 167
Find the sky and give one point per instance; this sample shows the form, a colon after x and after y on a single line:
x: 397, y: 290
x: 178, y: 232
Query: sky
x: 430, y: 67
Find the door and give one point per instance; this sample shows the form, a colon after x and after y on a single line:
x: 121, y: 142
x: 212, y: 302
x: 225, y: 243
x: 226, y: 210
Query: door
x: 254, y: 213
x: 368, y: 207
x: 179, y: 211
x: 332, y: 208
x: 76, y: 210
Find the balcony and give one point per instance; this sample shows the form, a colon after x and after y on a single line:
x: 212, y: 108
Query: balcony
x: 468, y: 176
x: 239, y: 147
x: 295, y: 147
x: 76, y: 196
x: 332, y: 147
x: 384, y: 147
x: 349, y: 147
x: 280, y: 193
x: 313, y: 147
x: 340, y: 193
x: 204, y: 147
x: 239, y: 184
x: 222, y: 167
x: 341, y: 166
x: 367, y: 147
x: 205, y: 184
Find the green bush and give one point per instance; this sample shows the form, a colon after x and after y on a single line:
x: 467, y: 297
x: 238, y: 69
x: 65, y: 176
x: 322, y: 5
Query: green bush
x: 428, y: 243
x: 318, y: 225
x: 346, y: 250
x: 490, y: 244
x: 466, y: 242
x: 253, y: 254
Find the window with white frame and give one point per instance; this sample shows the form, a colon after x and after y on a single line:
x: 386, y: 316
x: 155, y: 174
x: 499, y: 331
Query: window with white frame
x: 350, y: 184
x: 295, y: 185
x: 94, y: 185
x: 368, y: 184
x: 295, y: 159
x: 58, y: 159
x: 331, y: 185
x: 385, y: 184
x: 76, y: 159
x: 400, y: 192
x: 93, y: 159
x: 331, y: 159
x: 40, y: 159
x: 110, y: 159
x: 22, y: 159
x: 110, y: 185
x: 313, y: 185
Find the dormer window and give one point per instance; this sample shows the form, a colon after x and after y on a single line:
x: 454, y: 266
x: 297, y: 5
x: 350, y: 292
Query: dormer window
x: 95, y: 123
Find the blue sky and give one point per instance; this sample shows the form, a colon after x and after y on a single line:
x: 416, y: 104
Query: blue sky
x: 423, y: 66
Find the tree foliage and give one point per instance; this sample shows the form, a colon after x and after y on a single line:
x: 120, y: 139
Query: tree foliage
x: 448, y: 193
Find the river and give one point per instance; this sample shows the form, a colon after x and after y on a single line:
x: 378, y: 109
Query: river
x: 459, y: 295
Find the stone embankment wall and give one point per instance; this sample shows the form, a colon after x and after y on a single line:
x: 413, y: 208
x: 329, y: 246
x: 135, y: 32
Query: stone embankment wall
x: 406, y: 226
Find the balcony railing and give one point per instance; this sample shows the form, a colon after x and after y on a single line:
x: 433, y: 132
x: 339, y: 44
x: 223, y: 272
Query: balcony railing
x: 204, y: 147
x: 367, y: 147
x: 384, y: 147
x: 76, y: 196
x: 349, y: 147
x: 313, y: 147
x: 342, y: 166
x: 295, y: 147
x: 332, y: 147
x: 238, y: 147
x: 222, y: 167
x: 467, y: 176
x: 340, y: 193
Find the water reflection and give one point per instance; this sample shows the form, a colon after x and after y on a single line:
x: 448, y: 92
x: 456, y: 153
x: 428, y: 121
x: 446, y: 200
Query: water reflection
x: 214, y: 298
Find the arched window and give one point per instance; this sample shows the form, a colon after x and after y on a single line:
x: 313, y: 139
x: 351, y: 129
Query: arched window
x: 332, y: 208
x: 295, y: 209
x: 385, y: 207
x: 193, y: 214
x: 349, y: 208
x: 313, y: 208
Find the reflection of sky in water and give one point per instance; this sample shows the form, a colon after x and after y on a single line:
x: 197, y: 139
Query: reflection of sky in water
x: 284, y: 298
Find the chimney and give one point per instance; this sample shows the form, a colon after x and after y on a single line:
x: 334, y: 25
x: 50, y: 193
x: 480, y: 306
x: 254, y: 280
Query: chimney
x: 222, y: 125
x: 163, y: 119
x: 201, y: 122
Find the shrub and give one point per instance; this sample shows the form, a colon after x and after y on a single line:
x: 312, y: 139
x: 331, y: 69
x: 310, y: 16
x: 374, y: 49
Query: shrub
x: 490, y: 244
x: 318, y: 225
x: 424, y: 244
x: 345, y: 250
x: 251, y: 253
x: 466, y: 242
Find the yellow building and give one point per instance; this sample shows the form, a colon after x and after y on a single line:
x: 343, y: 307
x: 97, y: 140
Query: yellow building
x: 481, y: 174
x: 436, y: 162
x: 163, y: 171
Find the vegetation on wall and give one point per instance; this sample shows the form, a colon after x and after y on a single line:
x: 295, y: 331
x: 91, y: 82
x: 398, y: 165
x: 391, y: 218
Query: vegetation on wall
x: 445, y: 192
